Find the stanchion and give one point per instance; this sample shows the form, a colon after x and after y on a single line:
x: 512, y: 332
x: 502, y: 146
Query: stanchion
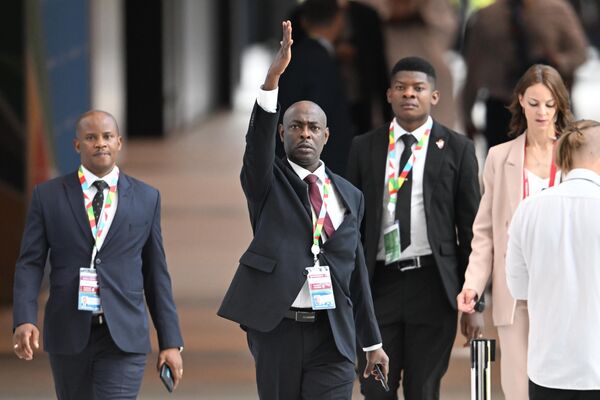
x: 483, y: 352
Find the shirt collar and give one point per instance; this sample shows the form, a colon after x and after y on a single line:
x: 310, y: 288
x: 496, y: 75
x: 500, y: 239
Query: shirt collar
x: 303, y: 172
x: 327, y: 44
x: 417, y: 133
x: 91, y: 178
x: 583, y: 173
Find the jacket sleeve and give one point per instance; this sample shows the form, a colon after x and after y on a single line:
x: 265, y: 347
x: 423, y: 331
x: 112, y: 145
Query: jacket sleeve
x: 257, y: 169
x: 30, y: 265
x: 367, y: 330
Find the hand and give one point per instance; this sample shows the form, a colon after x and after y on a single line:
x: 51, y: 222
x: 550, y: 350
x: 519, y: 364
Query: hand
x: 26, y: 336
x: 377, y: 357
x: 282, y: 58
x: 471, y: 326
x: 466, y: 301
x: 173, y: 359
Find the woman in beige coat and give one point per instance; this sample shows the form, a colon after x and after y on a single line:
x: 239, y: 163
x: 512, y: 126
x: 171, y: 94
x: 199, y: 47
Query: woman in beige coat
x: 514, y: 170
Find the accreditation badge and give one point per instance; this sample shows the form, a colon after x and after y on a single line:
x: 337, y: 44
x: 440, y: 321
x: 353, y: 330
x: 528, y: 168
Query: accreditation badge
x: 320, y: 288
x: 89, y: 295
x: 391, y: 242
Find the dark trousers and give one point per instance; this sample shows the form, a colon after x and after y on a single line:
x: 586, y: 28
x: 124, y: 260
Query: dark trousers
x: 299, y: 360
x: 100, y: 372
x: 418, y: 327
x: 537, y: 392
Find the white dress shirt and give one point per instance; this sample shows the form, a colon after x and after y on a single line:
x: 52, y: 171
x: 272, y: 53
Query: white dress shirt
x: 553, y: 262
x: 419, y: 243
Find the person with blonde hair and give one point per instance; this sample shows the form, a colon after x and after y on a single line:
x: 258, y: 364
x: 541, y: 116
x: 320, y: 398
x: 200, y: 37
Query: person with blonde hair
x: 552, y: 263
x: 514, y: 171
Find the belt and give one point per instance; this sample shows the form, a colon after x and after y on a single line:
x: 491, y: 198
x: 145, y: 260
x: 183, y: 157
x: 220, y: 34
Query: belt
x: 98, y: 319
x: 307, y: 315
x: 412, y: 263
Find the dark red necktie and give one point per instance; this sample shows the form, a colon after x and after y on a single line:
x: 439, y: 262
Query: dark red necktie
x: 316, y: 201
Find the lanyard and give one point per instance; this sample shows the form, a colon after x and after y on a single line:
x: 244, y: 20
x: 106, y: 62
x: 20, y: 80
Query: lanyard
x: 526, y: 178
x: 112, y: 191
x: 320, y: 222
x: 395, y: 183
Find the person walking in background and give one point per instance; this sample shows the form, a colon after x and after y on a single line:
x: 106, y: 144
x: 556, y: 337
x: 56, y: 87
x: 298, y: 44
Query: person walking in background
x: 314, y: 75
x: 552, y: 263
x: 513, y: 171
x: 301, y: 291
x: 506, y: 38
x: 421, y: 190
x: 100, y: 230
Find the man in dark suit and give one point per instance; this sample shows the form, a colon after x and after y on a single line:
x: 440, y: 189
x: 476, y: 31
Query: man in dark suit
x: 420, y: 206
x: 101, y: 229
x: 301, y: 290
x: 314, y: 74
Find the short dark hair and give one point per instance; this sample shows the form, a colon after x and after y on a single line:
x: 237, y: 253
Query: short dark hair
x: 319, y: 12
x: 417, y: 64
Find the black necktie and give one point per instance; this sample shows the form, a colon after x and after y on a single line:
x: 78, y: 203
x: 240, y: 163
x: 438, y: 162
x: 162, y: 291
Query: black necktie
x: 405, y: 192
x: 98, y: 201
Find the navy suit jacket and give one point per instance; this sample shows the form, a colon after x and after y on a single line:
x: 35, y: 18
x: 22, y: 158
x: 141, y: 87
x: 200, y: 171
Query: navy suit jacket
x: 131, y: 265
x: 272, y: 271
x: 450, y: 191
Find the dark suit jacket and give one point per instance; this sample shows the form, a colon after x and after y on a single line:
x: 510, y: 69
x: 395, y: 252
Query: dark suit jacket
x: 272, y: 270
x: 131, y: 265
x: 313, y: 75
x: 451, y: 196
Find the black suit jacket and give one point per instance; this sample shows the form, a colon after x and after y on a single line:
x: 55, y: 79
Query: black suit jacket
x: 272, y: 271
x: 313, y: 75
x: 451, y: 197
x: 131, y: 266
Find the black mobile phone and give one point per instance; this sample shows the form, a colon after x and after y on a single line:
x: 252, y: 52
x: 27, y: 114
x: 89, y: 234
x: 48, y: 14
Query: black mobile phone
x: 167, y: 377
x: 381, y: 378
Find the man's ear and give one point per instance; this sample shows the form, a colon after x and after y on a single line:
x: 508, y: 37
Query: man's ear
x: 281, y: 132
x: 435, y: 97
x: 76, y: 145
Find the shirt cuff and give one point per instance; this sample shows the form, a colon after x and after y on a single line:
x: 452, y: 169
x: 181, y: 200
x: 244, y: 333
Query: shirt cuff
x: 373, y: 348
x: 267, y: 99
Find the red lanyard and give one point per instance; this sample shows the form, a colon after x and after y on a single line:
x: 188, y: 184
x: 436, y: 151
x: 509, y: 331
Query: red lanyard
x: 526, y: 179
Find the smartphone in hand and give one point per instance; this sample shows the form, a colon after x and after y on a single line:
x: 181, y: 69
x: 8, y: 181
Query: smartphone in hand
x: 166, y: 377
x: 381, y: 378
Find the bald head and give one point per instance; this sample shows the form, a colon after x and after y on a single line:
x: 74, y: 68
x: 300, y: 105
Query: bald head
x: 579, y: 147
x: 305, y: 107
x: 89, y: 117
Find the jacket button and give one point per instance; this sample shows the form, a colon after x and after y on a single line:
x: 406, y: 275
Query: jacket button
x: 98, y: 261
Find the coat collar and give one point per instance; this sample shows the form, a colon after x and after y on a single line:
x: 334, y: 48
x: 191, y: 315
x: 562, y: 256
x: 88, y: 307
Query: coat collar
x: 437, y: 149
x: 513, y: 169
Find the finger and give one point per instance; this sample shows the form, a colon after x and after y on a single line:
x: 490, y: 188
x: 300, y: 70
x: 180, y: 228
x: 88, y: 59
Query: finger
x: 25, y: 346
x: 369, y: 369
x: 36, y: 338
x: 177, y: 376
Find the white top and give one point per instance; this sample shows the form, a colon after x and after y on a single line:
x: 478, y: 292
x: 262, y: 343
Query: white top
x: 91, y: 192
x: 537, y: 184
x: 419, y: 244
x: 553, y: 262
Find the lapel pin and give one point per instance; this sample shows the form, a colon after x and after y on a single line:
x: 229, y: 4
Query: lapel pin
x: 440, y: 143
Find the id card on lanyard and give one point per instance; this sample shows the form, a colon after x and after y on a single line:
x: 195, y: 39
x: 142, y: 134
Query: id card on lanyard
x: 88, y: 298
x: 319, y: 276
x: 553, y: 170
x: 391, y: 233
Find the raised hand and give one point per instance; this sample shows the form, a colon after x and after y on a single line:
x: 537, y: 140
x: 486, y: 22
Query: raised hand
x: 282, y: 58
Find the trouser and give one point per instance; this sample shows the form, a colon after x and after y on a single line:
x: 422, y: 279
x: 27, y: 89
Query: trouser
x: 100, y: 372
x: 537, y: 392
x: 300, y: 360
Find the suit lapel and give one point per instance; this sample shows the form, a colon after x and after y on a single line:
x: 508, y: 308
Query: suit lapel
x: 379, y: 147
x: 75, y: 198
x: 124, y: 207
x: 436, y: 150
x: 513, y: 169
x: 299, y: 186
